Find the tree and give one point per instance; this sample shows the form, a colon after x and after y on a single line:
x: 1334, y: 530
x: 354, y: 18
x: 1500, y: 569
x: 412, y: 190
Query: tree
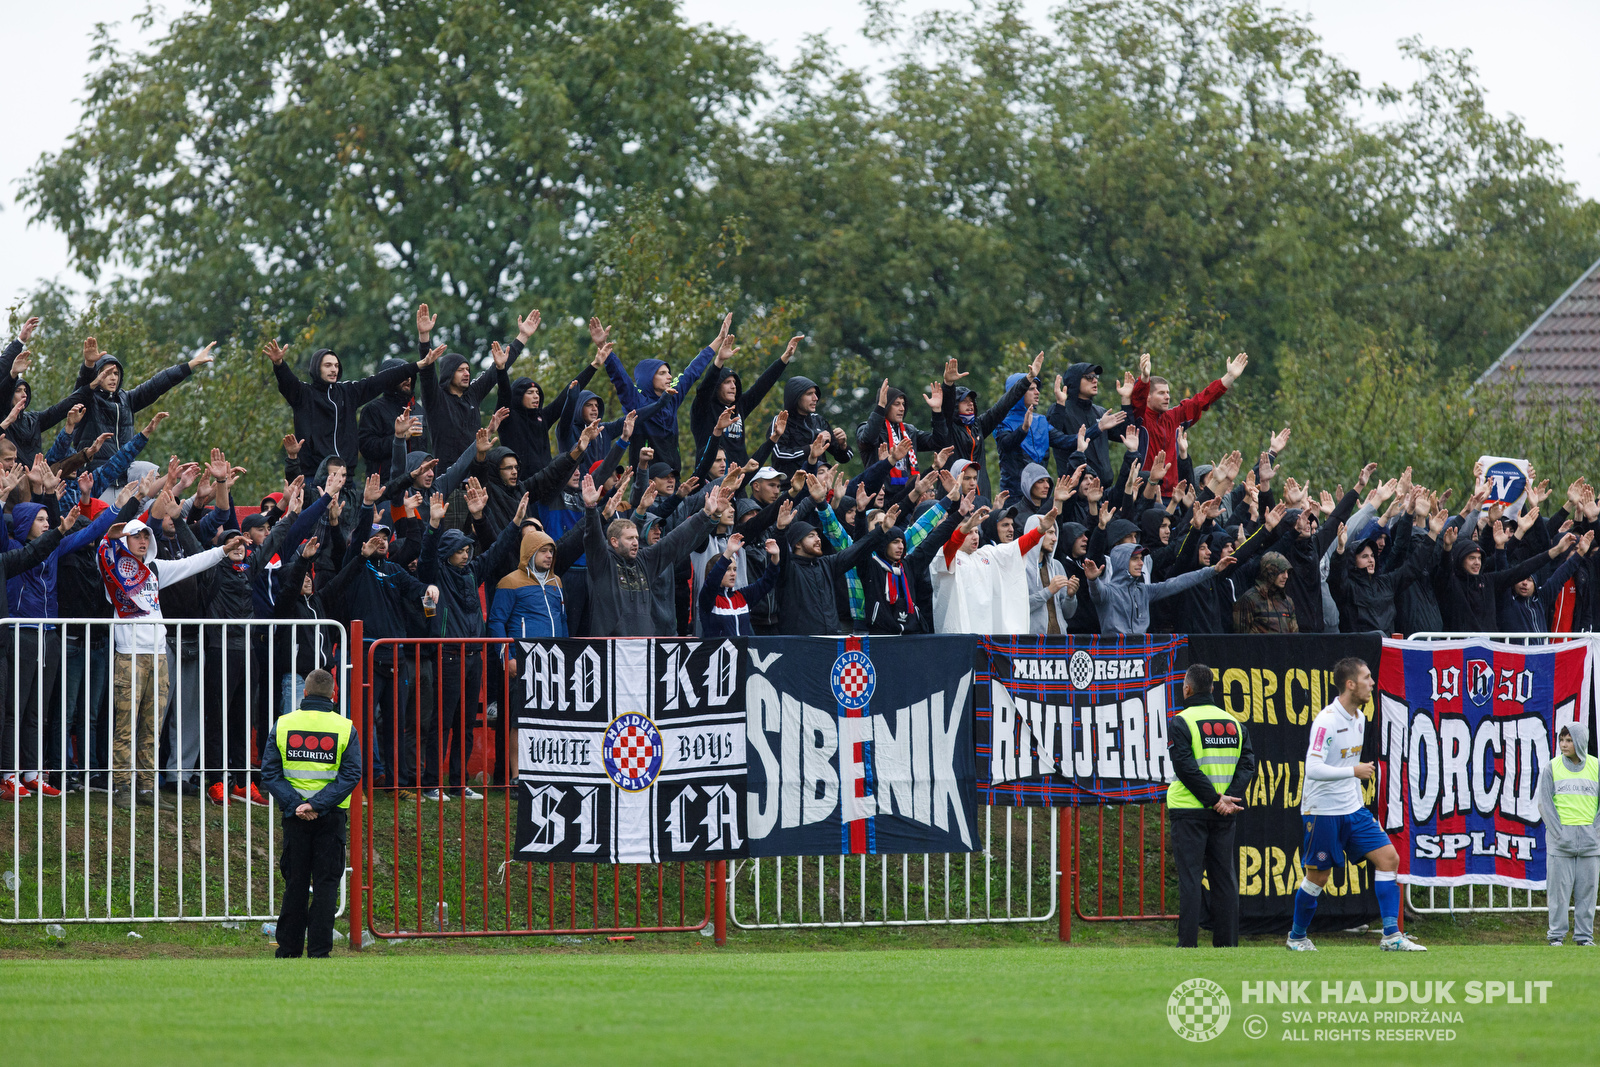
x: 264, y: 160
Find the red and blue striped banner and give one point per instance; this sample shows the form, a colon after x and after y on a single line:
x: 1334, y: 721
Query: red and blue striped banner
x: 1467, y: 726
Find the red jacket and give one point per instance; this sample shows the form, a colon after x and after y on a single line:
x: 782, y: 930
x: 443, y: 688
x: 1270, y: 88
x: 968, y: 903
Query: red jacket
x: 1162, y: 430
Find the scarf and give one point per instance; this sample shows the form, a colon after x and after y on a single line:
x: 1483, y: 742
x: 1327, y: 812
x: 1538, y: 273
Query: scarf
x: 906, y: 470
x: 1052, y: 624
x: 1036, y: 442
x: 896, y: 589
x: 124, y: 574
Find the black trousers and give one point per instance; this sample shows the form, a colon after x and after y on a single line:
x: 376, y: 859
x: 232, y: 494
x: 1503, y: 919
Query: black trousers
x: 227, y: 712
x: 1202, y: 841
x: 460, y: 677
x: 312, y: 863
x: 403, y: 703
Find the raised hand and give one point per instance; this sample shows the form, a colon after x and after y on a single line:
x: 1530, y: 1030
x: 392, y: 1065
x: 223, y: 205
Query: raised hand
x: 789, y: 350
x: 310, y: 548
x: 1236, y: 367
x: 883, y: 395
x: 1343, y: 537
x: 780, y: 423
x: 934, y: 398
x: 75, y: 416
x: 588, y: 434
x: 953, y: 372
x: 1130, y: 439
x: 202, y: 357
x: 499, y: 354
x: 91, y: 352
x: 1125, y: 388
x: 785, y: 515
x: 372, y: 490
x: 725, y: 420
x: 1112, y: 419
x: 437, y: 506
x: 1275, y: 516
x: 425, y: 323
x: 1280, y: 441
x: 722, y: 335
x: 527, y: 326
x: 1158, y: 466
x: 20, y: 365
x: 432, y: 357
x: 1036, y: 366
x: 1144, y: 366
x: 1224, y: 563
x: 26, y: 333
x: 275, y: 352
x: 1061, y: 390
x: 1365, y: 476
x: 1181, y: 439
x: 500, y: 415
x: 69, y: 520
x: 1092, y: 570
x: 411, y: 502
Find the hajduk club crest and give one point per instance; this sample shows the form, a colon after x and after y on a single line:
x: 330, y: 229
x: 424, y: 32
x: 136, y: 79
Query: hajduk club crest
x: 853, y: 680
x: 631, y: 751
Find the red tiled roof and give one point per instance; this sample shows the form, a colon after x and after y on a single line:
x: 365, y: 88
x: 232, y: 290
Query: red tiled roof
x: 1561, y: 350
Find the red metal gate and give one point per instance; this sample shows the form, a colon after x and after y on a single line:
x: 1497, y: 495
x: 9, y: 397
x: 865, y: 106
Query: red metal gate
x: 445, y: 868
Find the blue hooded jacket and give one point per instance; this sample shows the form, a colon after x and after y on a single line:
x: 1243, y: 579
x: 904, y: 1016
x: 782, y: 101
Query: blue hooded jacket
x: 661, y: 423
x: 31, y: 594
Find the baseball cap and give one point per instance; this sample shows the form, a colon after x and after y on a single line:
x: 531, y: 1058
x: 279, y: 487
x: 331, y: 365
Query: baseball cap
x: 766, y: 472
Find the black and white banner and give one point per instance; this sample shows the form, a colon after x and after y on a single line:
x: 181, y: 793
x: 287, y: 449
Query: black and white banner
x: 630, y: 751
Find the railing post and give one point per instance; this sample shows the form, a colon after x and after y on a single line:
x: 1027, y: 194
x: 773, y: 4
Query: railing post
x: 719, y: 909
x: 1063, y: 876
x: 356, y: 702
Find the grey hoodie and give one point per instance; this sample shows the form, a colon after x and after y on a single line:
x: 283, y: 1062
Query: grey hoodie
x: 1566, y: 840
x: 1026, y: 508
x: 1124, y: 601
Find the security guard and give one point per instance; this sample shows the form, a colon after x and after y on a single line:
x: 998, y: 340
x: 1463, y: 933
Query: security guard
x: 1569, y: 802
x: 310, y: 769
x: 1213, y: 762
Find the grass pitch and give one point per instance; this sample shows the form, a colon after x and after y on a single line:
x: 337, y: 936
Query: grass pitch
x: 1038, y: 1003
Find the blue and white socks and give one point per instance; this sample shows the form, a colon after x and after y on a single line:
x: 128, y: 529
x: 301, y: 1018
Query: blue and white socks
x: 1305, y: 906
x: 1387, y: 890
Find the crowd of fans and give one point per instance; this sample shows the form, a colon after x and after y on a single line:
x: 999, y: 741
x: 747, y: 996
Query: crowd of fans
x: 403, y: 507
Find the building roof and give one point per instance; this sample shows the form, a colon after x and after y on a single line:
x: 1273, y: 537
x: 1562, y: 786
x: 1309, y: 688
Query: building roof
x: 1561, y: 350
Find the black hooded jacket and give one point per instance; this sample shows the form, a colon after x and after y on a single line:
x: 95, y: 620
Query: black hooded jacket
x: 1078, y: 412
x: 460, y: 612
x: 793, y: 450
x: 1469, y: 601
x: 1369, y: 602
x: 455, y: 418
x: 113, y: 412
x: 970, y: 440
x: 326, y: 414
x: 377, y: 423
x: 707, y: 408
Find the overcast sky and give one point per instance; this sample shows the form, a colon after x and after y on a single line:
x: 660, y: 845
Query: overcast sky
x: 1533, y: 57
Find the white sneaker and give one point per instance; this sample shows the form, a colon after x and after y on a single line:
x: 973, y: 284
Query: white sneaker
x: 469, y: 793
x: 434, y: 794
x: 1399, y: 942
x: 1300, y: 944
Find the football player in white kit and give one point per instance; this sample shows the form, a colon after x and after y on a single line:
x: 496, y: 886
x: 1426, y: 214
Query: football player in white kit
x: 1336, y: 822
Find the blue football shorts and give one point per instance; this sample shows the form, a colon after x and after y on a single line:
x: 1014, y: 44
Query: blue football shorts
x: 1330, y: 837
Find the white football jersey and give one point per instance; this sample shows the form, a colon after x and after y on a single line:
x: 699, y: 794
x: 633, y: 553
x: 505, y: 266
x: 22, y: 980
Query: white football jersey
x: 1335, y: 745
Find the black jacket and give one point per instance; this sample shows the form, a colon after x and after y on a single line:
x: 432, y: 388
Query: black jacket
x: 455, y: 418
x: 1369, y: 602
x: 806, y: 601
x: 1468, y: 601
x: 326, y: 414
x: 1078, y: 412
x: 793, y: 450
x: 620, y: 591
x: 113, y: 412
x: 971, y: 440
x: 375, y: 428
x: 383, y: 595
x: 707, y: 408
x: 460, y: 611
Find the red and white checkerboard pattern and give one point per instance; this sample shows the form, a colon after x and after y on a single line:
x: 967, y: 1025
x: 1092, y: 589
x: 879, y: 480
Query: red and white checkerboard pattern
x: 853, y: 680
x: 633, y: 752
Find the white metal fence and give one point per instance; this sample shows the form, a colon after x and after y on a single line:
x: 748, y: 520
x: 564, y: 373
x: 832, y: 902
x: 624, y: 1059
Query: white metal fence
x: 1012, y: 879
x: 129, y: 726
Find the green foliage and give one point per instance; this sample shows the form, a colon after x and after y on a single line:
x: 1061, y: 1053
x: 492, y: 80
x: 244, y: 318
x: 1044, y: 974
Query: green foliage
x: 232, y: 404
x: 268, y: 159
x: 1190, y: 178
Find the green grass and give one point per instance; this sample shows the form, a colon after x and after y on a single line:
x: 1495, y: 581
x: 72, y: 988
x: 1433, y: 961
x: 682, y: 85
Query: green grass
x: 1037, y: 1003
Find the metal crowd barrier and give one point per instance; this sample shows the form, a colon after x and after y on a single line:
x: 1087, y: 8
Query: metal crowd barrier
x: 1488, y: 899
x: 172, y: 855
x: 1011, y: 879
x: 445, y: 868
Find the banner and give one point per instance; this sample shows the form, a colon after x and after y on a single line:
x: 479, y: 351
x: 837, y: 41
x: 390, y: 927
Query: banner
x: 630, y: 751
x: 1074, y: 720
x: 1275, y: 684
x: 1508, y: 481
x: 860, y: 745
x: 1467, y: 727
